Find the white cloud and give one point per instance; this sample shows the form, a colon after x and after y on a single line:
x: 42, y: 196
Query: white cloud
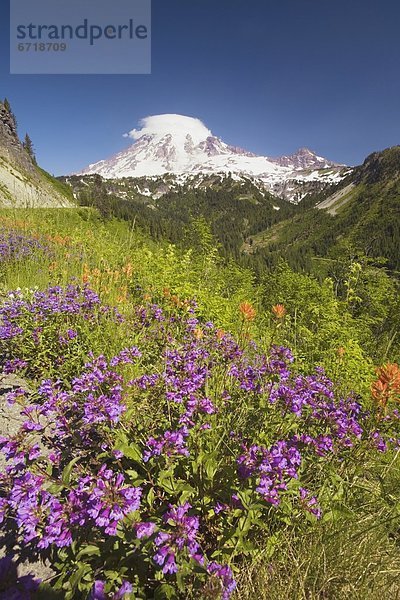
x: 177, y: 125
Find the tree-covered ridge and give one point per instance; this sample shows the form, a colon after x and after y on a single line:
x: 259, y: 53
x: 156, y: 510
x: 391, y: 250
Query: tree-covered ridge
x: 368, y: 222
x: 233, y: 210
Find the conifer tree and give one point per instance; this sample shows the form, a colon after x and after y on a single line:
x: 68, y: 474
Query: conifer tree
x: 28, y: 146
x: 8, y: 108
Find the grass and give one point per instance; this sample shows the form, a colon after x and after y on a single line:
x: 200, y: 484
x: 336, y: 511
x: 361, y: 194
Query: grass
x: 353, y: 553
x: 354, y: 556
x: 331, y: 564
x: 107, y: 245
x: 61, y: 187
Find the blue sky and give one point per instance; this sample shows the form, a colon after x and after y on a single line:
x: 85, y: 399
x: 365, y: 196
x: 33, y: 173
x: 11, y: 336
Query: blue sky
x: 268, y: 76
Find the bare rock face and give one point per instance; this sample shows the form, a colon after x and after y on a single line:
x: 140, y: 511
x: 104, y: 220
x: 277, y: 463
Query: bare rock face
x: 10, y: 146
x: 10, y: 414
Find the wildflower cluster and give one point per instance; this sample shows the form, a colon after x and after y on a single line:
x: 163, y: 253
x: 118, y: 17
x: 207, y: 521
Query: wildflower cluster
x: 160, y: 468
x: 182, y: 535
x: 43, y: 330
x: 107, y: 279
x: 387, y: 385
x: 272, y: 468
x: 385, y: 414
x: 16, y: 245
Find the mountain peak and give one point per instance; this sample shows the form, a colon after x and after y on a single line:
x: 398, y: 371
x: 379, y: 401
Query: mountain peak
x: 304, y: 152
x: 305, y: 159
x: 185, y: 147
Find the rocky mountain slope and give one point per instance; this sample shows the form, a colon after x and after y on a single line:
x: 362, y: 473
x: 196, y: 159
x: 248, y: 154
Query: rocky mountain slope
x: 183, y: 149
x: 22, y: 183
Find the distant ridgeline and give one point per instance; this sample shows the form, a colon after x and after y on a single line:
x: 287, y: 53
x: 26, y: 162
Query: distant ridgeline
x: 359, y: 216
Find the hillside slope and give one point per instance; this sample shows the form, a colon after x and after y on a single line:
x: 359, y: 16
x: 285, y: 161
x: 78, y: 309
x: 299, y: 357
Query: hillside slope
x: 22, y: 183
x: 147, y: 381
x: 362, y: 212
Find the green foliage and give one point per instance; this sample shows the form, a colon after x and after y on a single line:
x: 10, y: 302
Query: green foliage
x: 234, y: 211
x: 321, y: 317
x: 28, y: 147
x: 319, y: 327
x: 63, y: 189
x: 369, y: 221
x: 176, y: 455
x: 52, y: 343
x: 344, y: 318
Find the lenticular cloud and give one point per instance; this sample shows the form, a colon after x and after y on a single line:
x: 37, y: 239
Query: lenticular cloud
x: 161, y: 125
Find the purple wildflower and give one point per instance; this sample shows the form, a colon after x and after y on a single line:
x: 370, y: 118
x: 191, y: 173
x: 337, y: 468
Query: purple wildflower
x: 272, y: 467
x: 98, y: 591
x: 310, y: 503
x: 109, y: 501
x: 126, y: 588
x: 169, y: 444
x: 144, y: 529
x: 225, y: 575
x: 181, y: 535
x: 12, y: 366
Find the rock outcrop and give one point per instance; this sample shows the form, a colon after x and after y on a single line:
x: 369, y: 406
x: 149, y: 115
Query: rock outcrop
x: 22, y: 183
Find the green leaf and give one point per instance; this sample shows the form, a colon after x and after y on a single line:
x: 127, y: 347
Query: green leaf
x: 78, y: 575
x: 166, y: 481
x: 89, y: 550
x: 55, y: 488
x: 211, y: 465
x: 66, y: 474
x: 164, y: 592
x: 131, y: 451
x: 112, y: 575
x: 150, y: 496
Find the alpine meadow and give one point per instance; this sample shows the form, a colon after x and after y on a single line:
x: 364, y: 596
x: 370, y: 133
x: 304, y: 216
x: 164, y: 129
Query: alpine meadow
x: 199, y: 350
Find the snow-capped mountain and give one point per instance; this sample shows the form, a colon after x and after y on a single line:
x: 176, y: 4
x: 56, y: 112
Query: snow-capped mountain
x: 185, y: 147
